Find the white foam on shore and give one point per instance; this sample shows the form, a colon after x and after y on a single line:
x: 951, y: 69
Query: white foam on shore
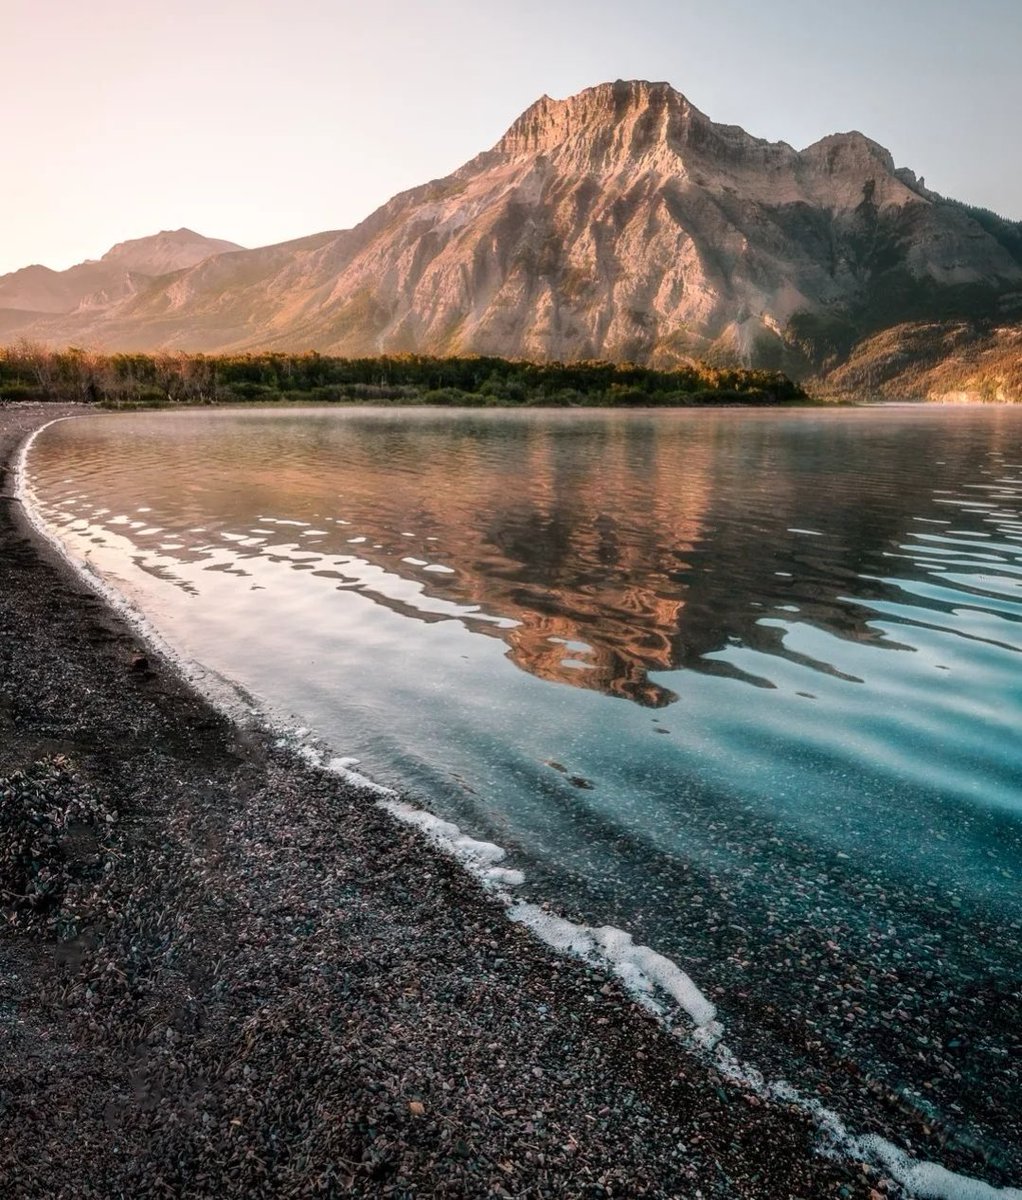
x: 342, y: 767
x: 648, y: 976
x: 927, y: 1180
x: 663, y: 988
x: 480, y: 858
x: 919, y: 1178
x: 339, y: 766
x: 653, y: 980
x: 644, y: 972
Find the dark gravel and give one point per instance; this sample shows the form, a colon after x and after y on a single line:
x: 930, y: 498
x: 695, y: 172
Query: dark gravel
x: 223, y: 975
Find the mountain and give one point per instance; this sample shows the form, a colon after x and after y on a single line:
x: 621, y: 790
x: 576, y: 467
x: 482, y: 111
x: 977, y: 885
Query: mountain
x: 97, y: 284
x: 168, y: 251
x: 621, y: 223
x: 957, y: 362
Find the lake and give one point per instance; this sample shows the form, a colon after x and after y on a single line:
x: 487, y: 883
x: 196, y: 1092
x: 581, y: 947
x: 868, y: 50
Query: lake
x: 744, y: 684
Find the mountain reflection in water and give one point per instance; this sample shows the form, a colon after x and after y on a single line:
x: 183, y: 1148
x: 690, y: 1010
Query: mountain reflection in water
x: 608, y: 548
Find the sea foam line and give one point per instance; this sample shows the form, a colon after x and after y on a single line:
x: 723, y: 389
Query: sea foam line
x: 647, y: 975
x: 651, y: 978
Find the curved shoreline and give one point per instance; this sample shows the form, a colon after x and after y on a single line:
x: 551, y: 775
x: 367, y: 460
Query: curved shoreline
x: 259, y: 912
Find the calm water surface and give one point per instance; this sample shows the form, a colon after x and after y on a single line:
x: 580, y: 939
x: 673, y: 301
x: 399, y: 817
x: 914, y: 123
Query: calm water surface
x: 746, y: 684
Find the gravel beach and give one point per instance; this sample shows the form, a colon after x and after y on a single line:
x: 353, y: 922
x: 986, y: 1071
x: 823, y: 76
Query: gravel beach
x: 223, y: 974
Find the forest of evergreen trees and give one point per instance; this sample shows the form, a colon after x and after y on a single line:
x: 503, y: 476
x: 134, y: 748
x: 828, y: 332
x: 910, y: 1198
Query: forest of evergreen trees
x: 30, y: 372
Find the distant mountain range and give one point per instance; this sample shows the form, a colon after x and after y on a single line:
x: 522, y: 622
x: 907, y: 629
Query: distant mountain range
x: 98, y: 284
x: 620, y: 224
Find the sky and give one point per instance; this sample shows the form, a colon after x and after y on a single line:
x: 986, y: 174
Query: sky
x: 263, y: 120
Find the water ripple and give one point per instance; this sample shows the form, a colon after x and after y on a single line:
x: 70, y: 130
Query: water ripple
x: 743, y: 684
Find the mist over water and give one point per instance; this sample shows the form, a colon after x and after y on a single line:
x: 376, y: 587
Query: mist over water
x: 746, y: 684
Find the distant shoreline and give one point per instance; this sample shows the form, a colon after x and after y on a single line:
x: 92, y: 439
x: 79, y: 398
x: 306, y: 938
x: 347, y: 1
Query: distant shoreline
x: 132, y: 381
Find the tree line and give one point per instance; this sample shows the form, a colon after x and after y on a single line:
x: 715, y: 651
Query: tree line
x: 33, y: 372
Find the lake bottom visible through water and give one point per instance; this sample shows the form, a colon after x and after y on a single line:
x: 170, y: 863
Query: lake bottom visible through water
x: 742, y: 684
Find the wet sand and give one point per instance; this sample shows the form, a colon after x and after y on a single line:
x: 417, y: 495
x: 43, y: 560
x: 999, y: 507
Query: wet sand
x: 234, y: 976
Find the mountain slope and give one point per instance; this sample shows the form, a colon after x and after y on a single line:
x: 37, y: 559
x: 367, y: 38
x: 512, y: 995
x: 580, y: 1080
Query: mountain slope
x: 96, y: 284
x: 956, y: 362
x: 621, y: 223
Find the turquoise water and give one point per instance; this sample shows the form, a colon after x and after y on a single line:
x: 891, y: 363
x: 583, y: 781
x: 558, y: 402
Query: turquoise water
x: 746, y: 684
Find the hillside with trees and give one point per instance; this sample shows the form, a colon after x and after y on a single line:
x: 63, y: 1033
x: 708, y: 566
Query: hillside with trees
x: 32, y: 372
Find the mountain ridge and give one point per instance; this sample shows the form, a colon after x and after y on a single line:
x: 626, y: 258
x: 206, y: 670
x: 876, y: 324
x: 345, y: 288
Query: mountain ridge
x: 619, y: 223
x: 120, y: 272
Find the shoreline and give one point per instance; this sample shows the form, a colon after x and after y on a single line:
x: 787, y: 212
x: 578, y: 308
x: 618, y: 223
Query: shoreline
x: 261, y: 984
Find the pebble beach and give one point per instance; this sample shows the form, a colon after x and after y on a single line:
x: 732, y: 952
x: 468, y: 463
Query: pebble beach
x: 226, y: 974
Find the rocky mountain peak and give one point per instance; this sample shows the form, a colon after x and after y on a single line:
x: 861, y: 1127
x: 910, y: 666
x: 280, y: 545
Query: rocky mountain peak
x: 625, y: 117
x: 620, y: 223
x: 849, y: 151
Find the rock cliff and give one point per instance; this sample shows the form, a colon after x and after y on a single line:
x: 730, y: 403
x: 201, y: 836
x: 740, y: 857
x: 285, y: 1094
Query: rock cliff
x: 621, y: 223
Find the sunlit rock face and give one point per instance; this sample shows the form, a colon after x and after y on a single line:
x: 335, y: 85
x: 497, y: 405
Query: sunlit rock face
x: 621, y: 223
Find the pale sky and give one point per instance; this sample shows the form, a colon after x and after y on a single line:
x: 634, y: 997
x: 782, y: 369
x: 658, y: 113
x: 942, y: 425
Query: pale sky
x: 262, y: 120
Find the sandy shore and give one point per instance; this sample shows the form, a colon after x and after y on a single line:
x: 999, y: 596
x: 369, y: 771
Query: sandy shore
x: 222, y: 974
